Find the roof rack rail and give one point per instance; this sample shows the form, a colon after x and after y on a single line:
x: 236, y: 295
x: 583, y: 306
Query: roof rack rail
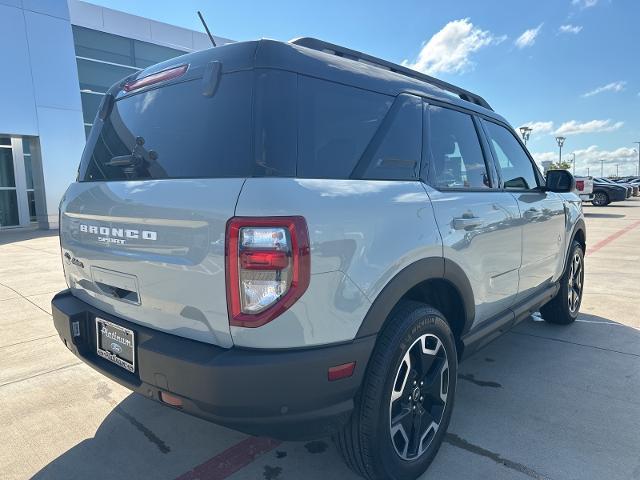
x: 316, y: 44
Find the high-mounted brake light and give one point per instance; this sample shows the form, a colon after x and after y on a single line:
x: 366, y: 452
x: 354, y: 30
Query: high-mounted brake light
x: 156, y: 78
x: 268, y: 267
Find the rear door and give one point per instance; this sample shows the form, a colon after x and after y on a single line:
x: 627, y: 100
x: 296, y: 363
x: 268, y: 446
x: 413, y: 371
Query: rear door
x: 143, y: 230
x: 479, y: 223
x: 543, y: 213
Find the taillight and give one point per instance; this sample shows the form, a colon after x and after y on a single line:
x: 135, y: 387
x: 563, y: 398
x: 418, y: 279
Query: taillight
x: 268, y: 267
x: 580, y: 184
x: 155, y: 78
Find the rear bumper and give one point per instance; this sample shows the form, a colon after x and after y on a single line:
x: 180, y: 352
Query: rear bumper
x: 284, y: 394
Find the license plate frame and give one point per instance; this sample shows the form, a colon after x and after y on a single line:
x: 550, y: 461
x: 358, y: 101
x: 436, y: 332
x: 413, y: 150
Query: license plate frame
x: 121, y: 344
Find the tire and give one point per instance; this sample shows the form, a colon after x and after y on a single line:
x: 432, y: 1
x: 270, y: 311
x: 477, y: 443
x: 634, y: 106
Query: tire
x: 600, y: 199
x: 392, y: 386
x: 564, y: 309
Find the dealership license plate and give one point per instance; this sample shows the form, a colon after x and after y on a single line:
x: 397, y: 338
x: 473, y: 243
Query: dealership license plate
x: 116, y: 344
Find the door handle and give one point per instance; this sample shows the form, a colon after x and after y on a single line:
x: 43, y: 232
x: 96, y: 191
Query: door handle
x: 466, y: 223
x: 532, y: 214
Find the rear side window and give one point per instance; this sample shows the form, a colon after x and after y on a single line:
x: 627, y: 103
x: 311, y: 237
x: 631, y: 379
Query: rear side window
x: 456, y: 158
x: 336, y: 123
x: 516, y: 169
x: 174, y: 132
x: 394, y: 153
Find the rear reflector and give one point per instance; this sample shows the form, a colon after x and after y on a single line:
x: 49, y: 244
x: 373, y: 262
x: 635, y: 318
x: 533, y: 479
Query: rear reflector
x: 171, y: 399
x: 156, y: 78
x: 341, y: 371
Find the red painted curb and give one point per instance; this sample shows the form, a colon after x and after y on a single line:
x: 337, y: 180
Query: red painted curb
x: 611, y: 238
x: 231, y: 460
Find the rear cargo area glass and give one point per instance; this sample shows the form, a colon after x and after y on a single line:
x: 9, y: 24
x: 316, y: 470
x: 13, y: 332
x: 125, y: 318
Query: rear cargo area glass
x: 174, y: 132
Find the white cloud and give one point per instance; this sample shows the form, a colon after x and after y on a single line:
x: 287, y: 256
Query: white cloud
x: 574, y: 127
x: 528, y: 37
x: 539, y: 127
x: 591, y: 157
x: 584, y: 3
x: 450, y: 49
x: 569, y: 28
x: 609, y: 87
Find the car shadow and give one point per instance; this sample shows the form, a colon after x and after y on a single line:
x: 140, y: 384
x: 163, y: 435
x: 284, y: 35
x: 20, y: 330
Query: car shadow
x: 527, y: 405
x: 20, y: 234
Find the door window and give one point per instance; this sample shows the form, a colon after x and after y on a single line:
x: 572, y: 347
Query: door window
x: 517, y: 170
x: 456, y: 159
x: 8, y: 194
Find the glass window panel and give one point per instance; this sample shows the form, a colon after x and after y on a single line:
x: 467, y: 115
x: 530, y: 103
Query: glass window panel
x: 456, y: 157
x: 148, y: 54
x: 398, y: 142
x: 26, y: 146
x: 5, y: 141
x: 87, y: 131
x: 7, y: 177
x: 90, y: 105
x: 515, y: 167
x: 337, y: 123
x: 31, y: 198
x: 8, y: 208
x: 98, y: 77
x: 28, y: 170
x: 102, y: 46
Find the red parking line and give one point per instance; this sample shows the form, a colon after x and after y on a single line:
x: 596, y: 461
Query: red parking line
x: 231, y: 460
x: 612, y: 237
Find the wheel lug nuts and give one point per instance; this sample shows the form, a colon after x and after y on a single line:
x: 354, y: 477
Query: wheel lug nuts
x: 414, y: 407
x: 414, y: 382
x: 421, y: 383
x: 421, y: 399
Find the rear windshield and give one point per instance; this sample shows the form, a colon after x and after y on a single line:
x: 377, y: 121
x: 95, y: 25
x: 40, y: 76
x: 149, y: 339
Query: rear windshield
x: 174, y: 132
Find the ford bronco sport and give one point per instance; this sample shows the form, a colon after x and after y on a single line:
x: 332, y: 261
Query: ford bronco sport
x: 300, y: 240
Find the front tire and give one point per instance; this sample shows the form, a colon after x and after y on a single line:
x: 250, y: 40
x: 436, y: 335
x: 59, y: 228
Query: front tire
x: 600, y: 199
x: 565, y: 306
x: 403, y: 410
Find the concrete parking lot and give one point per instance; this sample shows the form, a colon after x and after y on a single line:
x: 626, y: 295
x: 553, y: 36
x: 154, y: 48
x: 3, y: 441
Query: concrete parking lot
x: 542, y: 402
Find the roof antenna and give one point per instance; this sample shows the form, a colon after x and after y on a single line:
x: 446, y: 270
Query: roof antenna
x: 207, y: 29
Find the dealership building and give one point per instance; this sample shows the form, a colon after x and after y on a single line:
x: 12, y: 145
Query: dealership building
x: 59, y: 58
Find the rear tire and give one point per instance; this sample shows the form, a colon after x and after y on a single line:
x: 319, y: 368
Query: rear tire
x: 410, y: 385
x: 565, y: 306
x: 600, y: 199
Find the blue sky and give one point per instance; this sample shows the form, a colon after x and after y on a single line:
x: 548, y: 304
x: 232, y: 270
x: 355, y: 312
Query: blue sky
x: 567, y: 67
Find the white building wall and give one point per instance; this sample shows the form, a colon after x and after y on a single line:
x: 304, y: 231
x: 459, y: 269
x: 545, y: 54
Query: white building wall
x: 39, y: 94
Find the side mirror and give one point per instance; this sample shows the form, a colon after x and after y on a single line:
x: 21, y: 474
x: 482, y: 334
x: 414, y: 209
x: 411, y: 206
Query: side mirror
x: 560, y: 181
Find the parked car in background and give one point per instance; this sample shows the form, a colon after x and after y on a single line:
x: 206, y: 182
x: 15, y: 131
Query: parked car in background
x: 584, y: 186
x: 628, y: 188
x: 606, y: 191
x: 630, y: 182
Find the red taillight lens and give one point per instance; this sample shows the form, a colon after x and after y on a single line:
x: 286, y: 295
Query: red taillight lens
x: 580, y: 184
x: 268, y: 267
x: 156, y: 78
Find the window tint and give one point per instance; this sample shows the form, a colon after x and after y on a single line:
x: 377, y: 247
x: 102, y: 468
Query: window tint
x: 513, y: 163
x: 174, y: 132
x: 394, y: 152
x: 336, y: 123
x: 456, y: 156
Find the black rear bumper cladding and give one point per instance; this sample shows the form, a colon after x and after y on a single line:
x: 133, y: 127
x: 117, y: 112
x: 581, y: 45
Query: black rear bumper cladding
x: 281, y: 393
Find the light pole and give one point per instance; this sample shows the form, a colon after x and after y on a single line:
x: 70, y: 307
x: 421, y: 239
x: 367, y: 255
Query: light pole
x: 574, y: 162
x: 588, y: 173
x: 602, y: 168
x: 526, y: 133
x: 617, y: 171
x: 638, y: 157
x: 560, y: 141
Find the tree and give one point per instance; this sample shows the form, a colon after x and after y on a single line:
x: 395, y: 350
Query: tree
x: 562, y: 165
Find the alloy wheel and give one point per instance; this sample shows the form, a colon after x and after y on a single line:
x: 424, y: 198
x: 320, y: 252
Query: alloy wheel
x: 576, y: 278
x: 419, y: 397
x: 600, y: 199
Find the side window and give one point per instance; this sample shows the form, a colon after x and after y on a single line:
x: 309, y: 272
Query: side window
x: 513, y: 163
x: 336, y: 123
x: 394, y: 152
x: 456, y: 160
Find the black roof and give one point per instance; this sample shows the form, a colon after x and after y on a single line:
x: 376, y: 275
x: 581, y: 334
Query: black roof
x: 331, y: 62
